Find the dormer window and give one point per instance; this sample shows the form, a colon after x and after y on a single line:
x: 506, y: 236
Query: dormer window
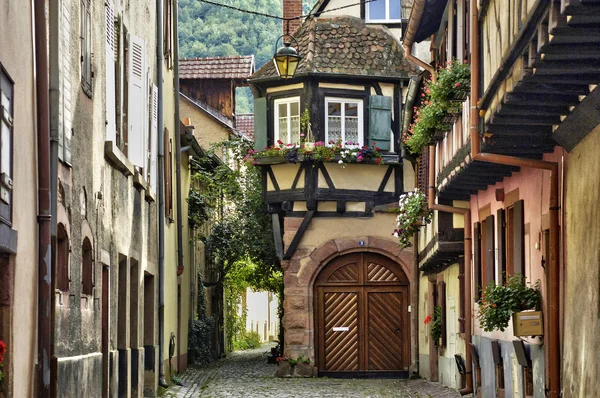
x: 287, y: 120
x: 344, y: 120
x: 384, y: 11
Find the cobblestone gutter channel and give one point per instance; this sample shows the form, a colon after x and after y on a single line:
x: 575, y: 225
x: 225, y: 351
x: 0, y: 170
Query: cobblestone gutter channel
x: 247, y: 374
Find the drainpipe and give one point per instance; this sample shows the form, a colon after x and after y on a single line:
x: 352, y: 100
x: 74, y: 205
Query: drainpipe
x: 54, y: 29
x: 409, y: 38
x: 553, y: 353
x: 161, y: 195
x: 415, y: 307
x: 44, y: 216
x: 180, y: 266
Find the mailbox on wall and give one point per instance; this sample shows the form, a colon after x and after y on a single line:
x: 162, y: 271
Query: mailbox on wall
x: 528, y: 323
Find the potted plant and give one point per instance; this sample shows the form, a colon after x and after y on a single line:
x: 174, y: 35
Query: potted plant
x: 499, y: 302
x: 412, y: 213
x: 452, y: 83
x: 306, y: 137
x: 435, y: 320
x: 303, y: 367
x: 285, y: 366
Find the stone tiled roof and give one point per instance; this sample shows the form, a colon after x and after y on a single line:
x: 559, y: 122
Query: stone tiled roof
x: 245, y: 124
x: 236, y: 67
x: 346, y: 45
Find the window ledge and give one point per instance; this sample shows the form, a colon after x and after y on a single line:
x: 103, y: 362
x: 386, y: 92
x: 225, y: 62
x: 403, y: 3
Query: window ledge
x: 140, y: 183
x: 8, y: 239
x: 114, y: 155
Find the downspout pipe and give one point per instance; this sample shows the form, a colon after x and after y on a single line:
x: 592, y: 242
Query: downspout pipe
x: 161, y: 195
x: 553, y: 299
x: 44, y: 216
x: 468, y: 241
x: 409, y: 37
x: 180, y: 266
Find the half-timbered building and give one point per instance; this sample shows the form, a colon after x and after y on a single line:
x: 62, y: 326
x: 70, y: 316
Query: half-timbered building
x: 534, y: 76
x: 347, y: 284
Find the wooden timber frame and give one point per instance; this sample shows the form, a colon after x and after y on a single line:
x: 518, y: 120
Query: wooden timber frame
x: 280, y: 202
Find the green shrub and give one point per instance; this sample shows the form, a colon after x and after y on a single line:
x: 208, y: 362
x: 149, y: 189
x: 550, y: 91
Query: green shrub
x: 248, y: 341
x: 201, y: 332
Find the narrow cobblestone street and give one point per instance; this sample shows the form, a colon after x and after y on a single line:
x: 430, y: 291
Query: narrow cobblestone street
x: 247, y: 374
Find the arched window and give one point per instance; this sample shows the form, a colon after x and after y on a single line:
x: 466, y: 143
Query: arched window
x: 87, y: 268
x: 62, y: 258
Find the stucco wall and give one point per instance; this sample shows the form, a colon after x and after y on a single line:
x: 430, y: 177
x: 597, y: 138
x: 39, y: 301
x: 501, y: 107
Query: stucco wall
x: 206, y: 129
x: 581, y: 344
x: 534, y: 189
x: 448, y: 374
x: 18, y: 318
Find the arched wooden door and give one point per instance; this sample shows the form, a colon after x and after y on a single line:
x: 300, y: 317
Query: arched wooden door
x: 361, y: 302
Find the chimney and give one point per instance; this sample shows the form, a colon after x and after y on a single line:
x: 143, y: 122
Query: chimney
x: 292, y: 8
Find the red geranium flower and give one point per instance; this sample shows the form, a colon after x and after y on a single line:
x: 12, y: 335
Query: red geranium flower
x: 428, y: 319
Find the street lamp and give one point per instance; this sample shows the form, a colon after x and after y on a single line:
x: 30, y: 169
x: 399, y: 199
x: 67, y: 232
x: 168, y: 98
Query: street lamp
x: 286, y: 58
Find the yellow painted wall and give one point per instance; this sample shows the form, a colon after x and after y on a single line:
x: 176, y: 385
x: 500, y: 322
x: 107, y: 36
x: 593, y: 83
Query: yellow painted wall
x: 207, y: 129
x: 16, y: 56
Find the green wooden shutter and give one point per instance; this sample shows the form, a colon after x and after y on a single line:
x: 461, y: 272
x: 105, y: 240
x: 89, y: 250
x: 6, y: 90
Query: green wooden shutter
x: 260, y: 123
x: 380, y: 121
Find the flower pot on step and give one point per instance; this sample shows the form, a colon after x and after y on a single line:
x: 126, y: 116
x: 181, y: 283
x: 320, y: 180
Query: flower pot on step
x: 303, y: 370
x: 284, y: 369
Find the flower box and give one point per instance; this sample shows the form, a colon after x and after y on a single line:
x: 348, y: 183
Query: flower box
x: 528, y: 323
x: 459, y: 96
x: 264, y: 160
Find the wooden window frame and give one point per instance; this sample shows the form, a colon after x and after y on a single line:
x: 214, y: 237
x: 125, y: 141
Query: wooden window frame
x: 86, y: 53
x: 87, y: 267
x: 361, y: 118
x: 62, y: 259
x: 387, y: 18
x: 7, y: 94
x: 288, y: 101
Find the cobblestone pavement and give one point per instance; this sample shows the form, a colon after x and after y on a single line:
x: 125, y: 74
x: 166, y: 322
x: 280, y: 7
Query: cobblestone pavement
x: 247, y: 374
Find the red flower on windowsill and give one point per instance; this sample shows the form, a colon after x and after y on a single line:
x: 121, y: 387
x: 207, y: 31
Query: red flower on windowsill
x: 428, y: 319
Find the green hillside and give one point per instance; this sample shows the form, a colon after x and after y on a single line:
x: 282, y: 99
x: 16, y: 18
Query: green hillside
x: 207, y: 30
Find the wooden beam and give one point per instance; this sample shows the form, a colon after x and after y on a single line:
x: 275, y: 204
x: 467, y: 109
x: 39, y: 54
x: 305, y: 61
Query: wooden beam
x: 526, y: 120
x: 559, y: 89
x: 510, y: 109
x: 540, y: 99
x: 385, y: 179
x: 297, y: 177
x: 326, y: 175
x: 298, y: 236
x: 272, y: 177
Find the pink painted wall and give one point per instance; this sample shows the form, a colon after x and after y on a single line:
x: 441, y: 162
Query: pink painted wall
x: 534, y: 190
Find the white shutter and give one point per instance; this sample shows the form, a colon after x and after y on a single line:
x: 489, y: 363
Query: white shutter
x: 111, y: 125
x: 154, y: 138
x: 65, y: 121
x: 137, y: 100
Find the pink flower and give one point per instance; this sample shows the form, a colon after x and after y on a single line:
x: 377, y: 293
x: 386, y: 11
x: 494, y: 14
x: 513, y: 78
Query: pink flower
x: 457, y: 85
x: 280, y: 142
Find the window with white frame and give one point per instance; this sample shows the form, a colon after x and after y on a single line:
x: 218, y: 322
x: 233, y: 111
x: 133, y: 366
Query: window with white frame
x: 6, y: 143
x: 287, y: 120
x: 344, y: 120
x: 384, y: 11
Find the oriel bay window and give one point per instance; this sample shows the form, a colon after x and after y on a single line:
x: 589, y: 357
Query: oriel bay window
x: 344, y: 120
x: 287, y: 120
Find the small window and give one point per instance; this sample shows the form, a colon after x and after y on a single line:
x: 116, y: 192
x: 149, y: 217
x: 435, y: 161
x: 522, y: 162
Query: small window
x: 344, y: 120
x: 384, y: 11
x: 86, y: 46
x: 87, y: 269
x: 62, y: 258
x: 287, y: 120
x: 6, y: 145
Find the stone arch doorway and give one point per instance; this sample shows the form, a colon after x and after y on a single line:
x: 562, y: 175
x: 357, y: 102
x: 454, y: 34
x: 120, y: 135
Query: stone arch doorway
x: 361, y: 312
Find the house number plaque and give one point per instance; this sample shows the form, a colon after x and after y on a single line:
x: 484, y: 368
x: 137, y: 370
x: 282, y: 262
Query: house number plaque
x: 341, y: 328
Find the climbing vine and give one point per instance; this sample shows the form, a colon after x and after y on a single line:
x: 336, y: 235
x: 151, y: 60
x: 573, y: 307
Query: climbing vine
x: 239, y: 242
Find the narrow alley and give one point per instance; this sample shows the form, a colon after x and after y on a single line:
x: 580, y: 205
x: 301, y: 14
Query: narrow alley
x: 247, y: 374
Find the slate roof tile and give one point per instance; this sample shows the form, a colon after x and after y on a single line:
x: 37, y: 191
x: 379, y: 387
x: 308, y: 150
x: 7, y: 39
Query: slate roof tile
x: 345, y: 45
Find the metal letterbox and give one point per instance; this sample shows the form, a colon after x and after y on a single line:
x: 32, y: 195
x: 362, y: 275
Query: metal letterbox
x: 528, y: 323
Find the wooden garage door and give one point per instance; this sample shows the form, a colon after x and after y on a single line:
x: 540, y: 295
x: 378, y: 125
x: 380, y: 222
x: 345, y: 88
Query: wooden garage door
x: 362, y: 316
